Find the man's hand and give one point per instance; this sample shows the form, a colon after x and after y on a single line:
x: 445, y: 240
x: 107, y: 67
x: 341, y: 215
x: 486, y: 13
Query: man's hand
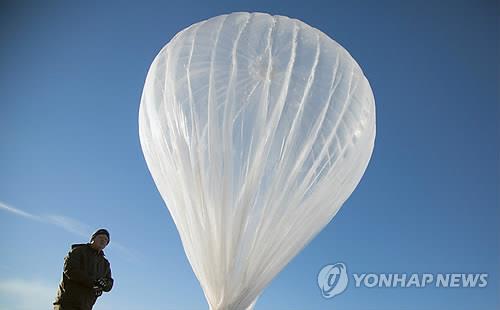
x: 102, y: 282
x: 99, y: 286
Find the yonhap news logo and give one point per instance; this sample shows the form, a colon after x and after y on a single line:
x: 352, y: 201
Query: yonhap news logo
x: 333, y: 279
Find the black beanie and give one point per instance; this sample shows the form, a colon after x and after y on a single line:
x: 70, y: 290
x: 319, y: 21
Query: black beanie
x: 101, y: 231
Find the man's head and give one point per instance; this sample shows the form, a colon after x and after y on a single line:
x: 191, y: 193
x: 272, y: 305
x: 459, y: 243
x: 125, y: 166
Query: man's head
x: 100, y: 239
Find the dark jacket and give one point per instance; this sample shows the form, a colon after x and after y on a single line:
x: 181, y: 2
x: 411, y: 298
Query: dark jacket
x: 82, y: 267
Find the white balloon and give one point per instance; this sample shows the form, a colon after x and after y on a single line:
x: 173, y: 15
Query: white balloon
x: 256, y: 129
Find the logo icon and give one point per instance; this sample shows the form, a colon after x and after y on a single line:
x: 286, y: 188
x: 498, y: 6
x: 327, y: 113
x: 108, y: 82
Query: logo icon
x: 332, y: 280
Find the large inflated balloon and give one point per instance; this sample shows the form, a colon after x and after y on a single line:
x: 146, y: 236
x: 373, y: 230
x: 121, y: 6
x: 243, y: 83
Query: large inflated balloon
x: 256, y: 129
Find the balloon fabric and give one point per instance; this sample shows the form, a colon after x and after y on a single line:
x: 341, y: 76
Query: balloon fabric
x: 256, y: 129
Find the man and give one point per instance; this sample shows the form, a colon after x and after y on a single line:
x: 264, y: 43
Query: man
x: 86, y: 274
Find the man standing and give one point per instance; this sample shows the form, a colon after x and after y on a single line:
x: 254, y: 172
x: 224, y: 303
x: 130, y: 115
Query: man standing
x: 86, y: 274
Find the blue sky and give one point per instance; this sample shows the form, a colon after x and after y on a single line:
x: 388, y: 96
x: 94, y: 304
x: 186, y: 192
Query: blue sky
x: 70, y: 160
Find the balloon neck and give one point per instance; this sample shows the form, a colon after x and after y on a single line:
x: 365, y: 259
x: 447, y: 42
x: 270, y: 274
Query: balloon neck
x: 250, y: 307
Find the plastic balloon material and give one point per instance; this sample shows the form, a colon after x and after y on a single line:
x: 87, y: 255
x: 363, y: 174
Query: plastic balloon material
x: 256, y: 129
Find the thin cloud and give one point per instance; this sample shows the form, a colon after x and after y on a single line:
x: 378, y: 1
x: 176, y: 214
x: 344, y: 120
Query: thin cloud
x: 68, y: 224
x: 19, y: 212
x: 26, y: 294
